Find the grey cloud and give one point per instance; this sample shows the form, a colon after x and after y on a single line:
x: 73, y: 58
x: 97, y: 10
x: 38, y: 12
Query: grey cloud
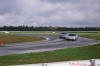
x: 50, y: 12
x: 8, y: 6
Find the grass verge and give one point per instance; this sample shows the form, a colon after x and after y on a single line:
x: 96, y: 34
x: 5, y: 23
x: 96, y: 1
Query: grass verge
x: 87, y: 34
x: 37, y: 33
x: 17, y: 39
x: 56, y: 33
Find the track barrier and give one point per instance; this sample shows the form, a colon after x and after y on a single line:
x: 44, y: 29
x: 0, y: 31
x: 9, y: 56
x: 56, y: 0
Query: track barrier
x: 92, y: 62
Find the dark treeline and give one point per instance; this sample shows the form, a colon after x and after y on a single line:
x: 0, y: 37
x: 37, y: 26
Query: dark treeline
x: 32, y: 28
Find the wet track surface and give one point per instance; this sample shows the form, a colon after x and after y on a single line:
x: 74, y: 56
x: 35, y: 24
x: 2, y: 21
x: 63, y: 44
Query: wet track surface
x: 47, y: 45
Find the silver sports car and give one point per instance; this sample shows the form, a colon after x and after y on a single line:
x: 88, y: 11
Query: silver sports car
x: 62, y: 35
x: 71, y: 37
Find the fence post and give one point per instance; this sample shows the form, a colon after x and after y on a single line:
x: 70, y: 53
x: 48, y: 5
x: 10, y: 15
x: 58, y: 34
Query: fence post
x: 92, y: 61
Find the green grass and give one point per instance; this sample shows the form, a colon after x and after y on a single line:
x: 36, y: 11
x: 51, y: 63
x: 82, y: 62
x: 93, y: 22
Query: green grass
x: 1, y: 32
x: 17, y: 39
x: 56, y: 33
x: 97, y: 37
x: 87, y: 33
x: 79, y: 53
x: 37, y: 33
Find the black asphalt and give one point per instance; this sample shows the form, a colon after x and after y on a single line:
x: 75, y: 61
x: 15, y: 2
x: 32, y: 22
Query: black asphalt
x: 47, y: 45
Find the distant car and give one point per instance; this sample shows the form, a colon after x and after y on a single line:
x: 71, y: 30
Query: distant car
x: 62, y: 35
x: 71, y: 37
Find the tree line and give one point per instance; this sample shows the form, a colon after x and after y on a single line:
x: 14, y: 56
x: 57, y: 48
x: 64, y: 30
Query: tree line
x: 50, y: 28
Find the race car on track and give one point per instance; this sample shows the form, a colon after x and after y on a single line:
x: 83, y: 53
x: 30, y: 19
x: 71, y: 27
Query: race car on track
x: 62, y: 35
x: 71, y: 37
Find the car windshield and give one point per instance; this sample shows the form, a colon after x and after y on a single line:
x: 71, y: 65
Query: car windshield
x: 63, y: 33
x: 72, y: 35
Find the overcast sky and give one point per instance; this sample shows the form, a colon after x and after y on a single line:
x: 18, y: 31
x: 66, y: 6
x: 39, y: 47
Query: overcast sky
x: 69, y: 13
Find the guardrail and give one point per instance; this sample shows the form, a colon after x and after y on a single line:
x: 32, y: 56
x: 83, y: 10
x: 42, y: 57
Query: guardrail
x: 92, y: 62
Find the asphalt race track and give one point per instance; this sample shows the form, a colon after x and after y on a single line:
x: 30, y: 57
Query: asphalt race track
x: 47, y: 45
